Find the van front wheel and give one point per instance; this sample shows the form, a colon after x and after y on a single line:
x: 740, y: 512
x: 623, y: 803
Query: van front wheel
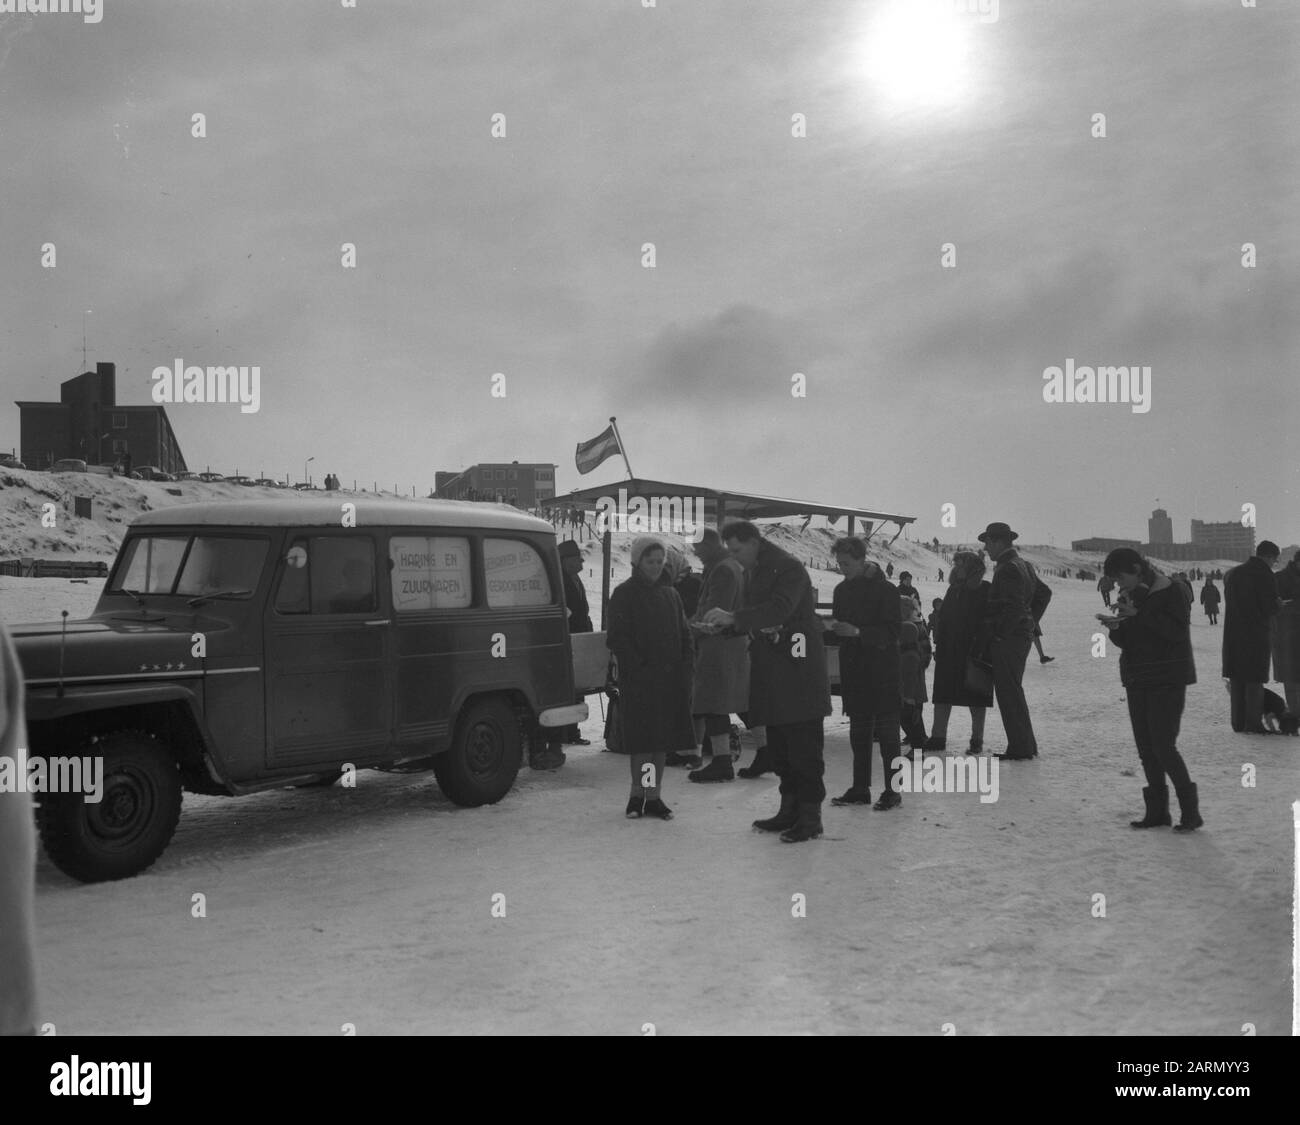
x: 131, y: 824
x: 485, y: 755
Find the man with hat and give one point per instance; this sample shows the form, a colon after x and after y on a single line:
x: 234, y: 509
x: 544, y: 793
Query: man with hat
x: 575, y: 601
x: 1009, y: 627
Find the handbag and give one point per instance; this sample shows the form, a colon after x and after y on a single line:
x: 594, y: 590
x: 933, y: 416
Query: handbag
x: 614, y: 716
x: 979, y: 677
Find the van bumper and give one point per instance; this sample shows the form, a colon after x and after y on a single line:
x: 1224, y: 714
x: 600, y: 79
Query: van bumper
x: 563, y: 716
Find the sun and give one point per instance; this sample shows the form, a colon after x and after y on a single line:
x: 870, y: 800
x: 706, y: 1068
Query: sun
x: 915, y: 53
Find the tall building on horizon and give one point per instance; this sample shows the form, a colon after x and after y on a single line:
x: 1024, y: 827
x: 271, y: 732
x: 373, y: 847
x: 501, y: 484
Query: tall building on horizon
x: 1160, y: 528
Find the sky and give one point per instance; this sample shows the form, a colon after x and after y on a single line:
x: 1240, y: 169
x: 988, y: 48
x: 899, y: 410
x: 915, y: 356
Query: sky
x: 926, y: 122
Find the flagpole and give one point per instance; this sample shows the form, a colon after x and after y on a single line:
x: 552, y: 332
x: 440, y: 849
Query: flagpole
x: 622, y: 452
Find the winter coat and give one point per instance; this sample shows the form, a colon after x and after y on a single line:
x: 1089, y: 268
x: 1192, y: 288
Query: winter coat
x: 1007, y: 612
x: 649, y: 636
x: 911, y: 673
x: 1286, y: 643
x: 869, y: 663
x: 1287, y: 581
x: 689, y: 587
x: 1210, y: 598
x: 1156, y: 642
x: 909, y: 591
x: 575, y: 601
x: 721, y: 662
x: 957, y: 637
x: 17, y: 863
x: 1249, y: 601
x: 783, y: 687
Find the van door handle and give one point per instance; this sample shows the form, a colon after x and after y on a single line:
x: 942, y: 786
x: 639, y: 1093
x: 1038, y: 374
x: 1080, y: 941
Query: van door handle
x: 378, y: 622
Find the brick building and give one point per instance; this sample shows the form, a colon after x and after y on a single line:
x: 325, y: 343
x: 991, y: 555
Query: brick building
x: 87, y: 423
x: 528, y: 485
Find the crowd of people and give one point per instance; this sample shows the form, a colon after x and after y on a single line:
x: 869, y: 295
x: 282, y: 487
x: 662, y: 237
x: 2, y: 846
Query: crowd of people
x: 751, y: 644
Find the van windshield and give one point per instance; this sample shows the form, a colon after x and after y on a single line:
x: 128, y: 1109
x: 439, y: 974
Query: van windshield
x: 190, y: 566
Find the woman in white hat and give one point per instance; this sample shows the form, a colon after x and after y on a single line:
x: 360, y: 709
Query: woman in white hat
x: 655, y: 651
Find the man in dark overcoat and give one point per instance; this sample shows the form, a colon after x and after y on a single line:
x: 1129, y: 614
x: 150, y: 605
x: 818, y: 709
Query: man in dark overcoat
x: 1249, y: 603
x: 1009, y: 623
x: 789, y: 691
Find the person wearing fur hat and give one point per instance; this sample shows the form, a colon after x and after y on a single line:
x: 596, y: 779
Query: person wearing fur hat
x: 1152, y: 627
x: 655, y: 653
x: 1009, y: 627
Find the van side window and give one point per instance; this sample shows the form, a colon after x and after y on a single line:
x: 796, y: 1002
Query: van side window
x: 430, y: 572
x: 328, y: 574
x: 516, y: 574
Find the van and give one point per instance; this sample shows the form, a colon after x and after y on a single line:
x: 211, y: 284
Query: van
x: 239, y: 646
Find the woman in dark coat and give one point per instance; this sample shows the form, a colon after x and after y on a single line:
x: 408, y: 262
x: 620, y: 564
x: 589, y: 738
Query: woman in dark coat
x: 956, y: 638
x: 866, y: 619
x: 652, y: 643
x: 1210, y: 600
x: 1152, y: 627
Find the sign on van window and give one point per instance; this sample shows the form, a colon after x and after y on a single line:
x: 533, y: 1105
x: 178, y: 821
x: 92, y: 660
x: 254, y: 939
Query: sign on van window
x: 516, y: 574
x: 430, y: 572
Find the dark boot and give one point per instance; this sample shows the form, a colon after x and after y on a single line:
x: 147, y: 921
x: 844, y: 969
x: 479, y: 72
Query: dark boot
x: 784, y: 819
x: 807, y: 827
x: 718, y: 769
x: 1189, y: 804
x: 761, y: 764
x: 1157, y: 799
x: 935, y: 745
x: 635, y: 808
x: 853, y: 796
x: 888, y: 800
x: 550, y: 758
x: 656, y: 807
x: 976, y: 746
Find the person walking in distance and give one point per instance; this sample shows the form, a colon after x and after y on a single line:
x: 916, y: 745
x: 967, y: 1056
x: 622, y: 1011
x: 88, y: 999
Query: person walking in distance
x: 789, y: 691
x: 721, y: 683
x: 956, y: 634
x: 1152, y: 628
x: 865, y: 620
x: 655, y: 654
x: 1249, y: 604
x: 1105, y: 584
x: 1009, y: 624
x: 1210, y: 599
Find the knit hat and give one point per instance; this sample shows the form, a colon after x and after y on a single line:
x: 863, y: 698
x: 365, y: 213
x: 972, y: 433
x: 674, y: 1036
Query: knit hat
x: 643, y: 543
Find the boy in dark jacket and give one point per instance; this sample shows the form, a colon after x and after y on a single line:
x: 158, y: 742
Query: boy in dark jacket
x: 1152, y: 626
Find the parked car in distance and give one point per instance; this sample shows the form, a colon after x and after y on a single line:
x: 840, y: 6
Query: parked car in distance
x: 69, y: 465
x: 9, y: 461
x: 247, y: 482
x: 242, y: 646
x: 185, y: 474
x: 148, y: 472
x: 211, y: 478
x: 267, y: 482
x: 303, y: 486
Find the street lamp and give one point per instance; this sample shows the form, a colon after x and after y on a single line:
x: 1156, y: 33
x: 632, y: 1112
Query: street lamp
x: 304, y: 469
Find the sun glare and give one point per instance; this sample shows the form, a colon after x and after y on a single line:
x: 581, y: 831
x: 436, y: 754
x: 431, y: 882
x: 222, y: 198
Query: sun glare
x: 915, y: 53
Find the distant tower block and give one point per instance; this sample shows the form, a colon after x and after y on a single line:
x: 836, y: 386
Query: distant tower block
x: 1160, y: 528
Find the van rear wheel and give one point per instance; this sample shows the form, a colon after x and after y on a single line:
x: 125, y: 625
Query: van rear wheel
x: 130, y: 826
x: 485, y: 755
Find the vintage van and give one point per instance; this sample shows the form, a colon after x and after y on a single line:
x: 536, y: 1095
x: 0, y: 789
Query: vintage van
x: 240, y: 646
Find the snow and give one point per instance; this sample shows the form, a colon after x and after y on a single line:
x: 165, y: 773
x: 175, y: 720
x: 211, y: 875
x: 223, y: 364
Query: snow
x: 373, y: 906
